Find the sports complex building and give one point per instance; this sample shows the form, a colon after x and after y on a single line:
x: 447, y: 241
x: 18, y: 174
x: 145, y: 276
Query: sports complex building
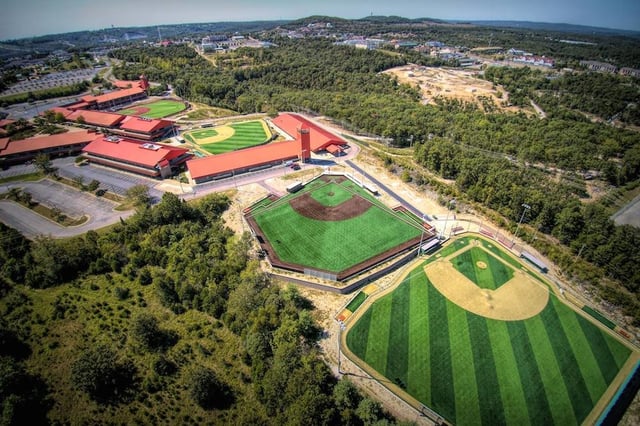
x: 146, y: 129
x: 20, y: 151
x: 305, y: 137
x: 145, y: 158
x: 134, y: 91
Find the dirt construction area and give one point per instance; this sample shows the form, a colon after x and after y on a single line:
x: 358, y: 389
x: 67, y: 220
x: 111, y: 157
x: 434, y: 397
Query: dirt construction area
x: 462, y: 84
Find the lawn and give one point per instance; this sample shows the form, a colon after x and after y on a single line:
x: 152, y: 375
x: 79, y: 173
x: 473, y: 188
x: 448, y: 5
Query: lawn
x: 158, y: 109
x: 245, y: 135
x: 332, y: 245
x: 548, y: 369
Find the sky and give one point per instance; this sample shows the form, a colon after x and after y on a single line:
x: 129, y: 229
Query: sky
x: 26, y: 18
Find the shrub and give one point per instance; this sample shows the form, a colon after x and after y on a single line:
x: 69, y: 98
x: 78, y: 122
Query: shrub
x: 208, y: 391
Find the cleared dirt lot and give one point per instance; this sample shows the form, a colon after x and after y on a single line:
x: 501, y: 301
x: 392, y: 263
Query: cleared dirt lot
x: 462, y: 84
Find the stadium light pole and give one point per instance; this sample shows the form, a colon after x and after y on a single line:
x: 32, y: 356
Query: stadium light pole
x: 449, y: 204
x: 526, y: 207
x: 340, y: 328
x: 421, y: 235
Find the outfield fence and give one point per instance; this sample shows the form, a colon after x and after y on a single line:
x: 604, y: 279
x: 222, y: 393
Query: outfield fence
x: 321, y: 274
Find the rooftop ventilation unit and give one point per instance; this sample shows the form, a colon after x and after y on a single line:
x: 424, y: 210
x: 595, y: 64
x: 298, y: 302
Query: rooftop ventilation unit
x: 150, y: 146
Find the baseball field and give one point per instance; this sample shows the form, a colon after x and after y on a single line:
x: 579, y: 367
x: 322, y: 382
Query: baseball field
x: 230, y: 137
x: 481, y: 341
x: 158, y: 109
x: 330, y: 225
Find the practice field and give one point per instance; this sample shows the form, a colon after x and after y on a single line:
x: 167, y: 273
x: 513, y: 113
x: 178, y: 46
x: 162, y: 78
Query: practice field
x: 230, y: 137
x: 158, y: 109
x: 331, y: 225
x: 549, y: 367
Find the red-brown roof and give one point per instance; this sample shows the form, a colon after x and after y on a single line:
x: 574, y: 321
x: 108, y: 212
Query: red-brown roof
x: 96, y: 118
x: 42, y: 142
x: 144, y: 125
x: 112, y: 96
x: 3, y: 144
x: 133, y: 152
x: 126, y: 84
x: 79, y: 105
x: 333, y: 149
x: 320, y: 137
x: 5, y: 122
x: 64, y: 111
x: 238, y: 160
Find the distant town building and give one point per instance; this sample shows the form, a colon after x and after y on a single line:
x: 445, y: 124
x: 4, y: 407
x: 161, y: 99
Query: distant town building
x: 633, y: 72
x: 599, y: 66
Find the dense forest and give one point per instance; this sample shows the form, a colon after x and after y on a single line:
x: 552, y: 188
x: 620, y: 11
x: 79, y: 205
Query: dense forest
x: 165, y: 318
x: 498, y: 160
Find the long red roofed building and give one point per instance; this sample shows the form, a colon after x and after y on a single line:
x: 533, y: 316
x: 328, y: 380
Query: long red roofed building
x: 19, y: 151
x: 321, y: 139
x: 245, y: 160
x: 145, y: 158
x: 145, y: 129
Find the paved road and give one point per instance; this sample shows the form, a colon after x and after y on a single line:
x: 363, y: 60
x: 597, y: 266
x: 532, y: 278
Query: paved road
x: 386, y: 189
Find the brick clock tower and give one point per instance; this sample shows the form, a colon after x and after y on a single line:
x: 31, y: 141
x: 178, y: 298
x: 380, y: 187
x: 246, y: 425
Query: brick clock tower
x: 305, y: 144
x: 144, y: 82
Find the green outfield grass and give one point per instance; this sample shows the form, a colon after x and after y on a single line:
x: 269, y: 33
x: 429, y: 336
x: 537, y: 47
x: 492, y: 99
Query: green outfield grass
x: 332, y: 245
x: 549, y: 369
x: 158, y: 109
x: 246, y: 134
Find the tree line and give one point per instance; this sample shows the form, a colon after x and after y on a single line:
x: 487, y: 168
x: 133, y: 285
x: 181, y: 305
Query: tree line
x: 173, y: 315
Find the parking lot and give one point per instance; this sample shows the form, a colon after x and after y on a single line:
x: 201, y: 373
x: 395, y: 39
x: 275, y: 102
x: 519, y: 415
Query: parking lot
x: 49, y: 81
x: 70, y: 201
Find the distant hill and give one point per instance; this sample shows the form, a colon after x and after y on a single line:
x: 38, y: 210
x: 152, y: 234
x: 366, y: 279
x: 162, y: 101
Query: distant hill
x: 559, y: 27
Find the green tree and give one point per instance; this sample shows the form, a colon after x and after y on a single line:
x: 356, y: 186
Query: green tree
x: 23, y: 397
x: 139, y: 195
x: 207, y: 390
x: 43, y: 164
x: 147, y: 333
x: 99, y: 372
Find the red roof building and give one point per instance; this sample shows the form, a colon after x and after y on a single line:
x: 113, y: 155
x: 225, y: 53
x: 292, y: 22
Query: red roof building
x: 126, y: 84
x: 3, y: 124
x: 144, y: 158
x: 19, y: 151
x: 95, y: 118
x: 147, y: 128
x: 242, y: 161
x: 111, y: 99
x: 321, y: 139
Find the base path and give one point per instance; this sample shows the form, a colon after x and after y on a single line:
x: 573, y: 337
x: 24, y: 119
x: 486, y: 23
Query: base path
x: 517, y: 299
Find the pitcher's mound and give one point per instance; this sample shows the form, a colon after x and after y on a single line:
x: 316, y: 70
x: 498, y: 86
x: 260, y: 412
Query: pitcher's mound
x: 480, y: 264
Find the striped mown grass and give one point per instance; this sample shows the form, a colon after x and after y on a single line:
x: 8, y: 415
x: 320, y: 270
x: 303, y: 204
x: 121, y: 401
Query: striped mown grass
x: 548, y: 369
x: 158, y: 109
x: 246, y: 134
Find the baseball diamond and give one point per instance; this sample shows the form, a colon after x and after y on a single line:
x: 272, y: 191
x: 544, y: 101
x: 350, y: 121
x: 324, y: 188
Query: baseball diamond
x: 331, y: 225
x: 508, y: 354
